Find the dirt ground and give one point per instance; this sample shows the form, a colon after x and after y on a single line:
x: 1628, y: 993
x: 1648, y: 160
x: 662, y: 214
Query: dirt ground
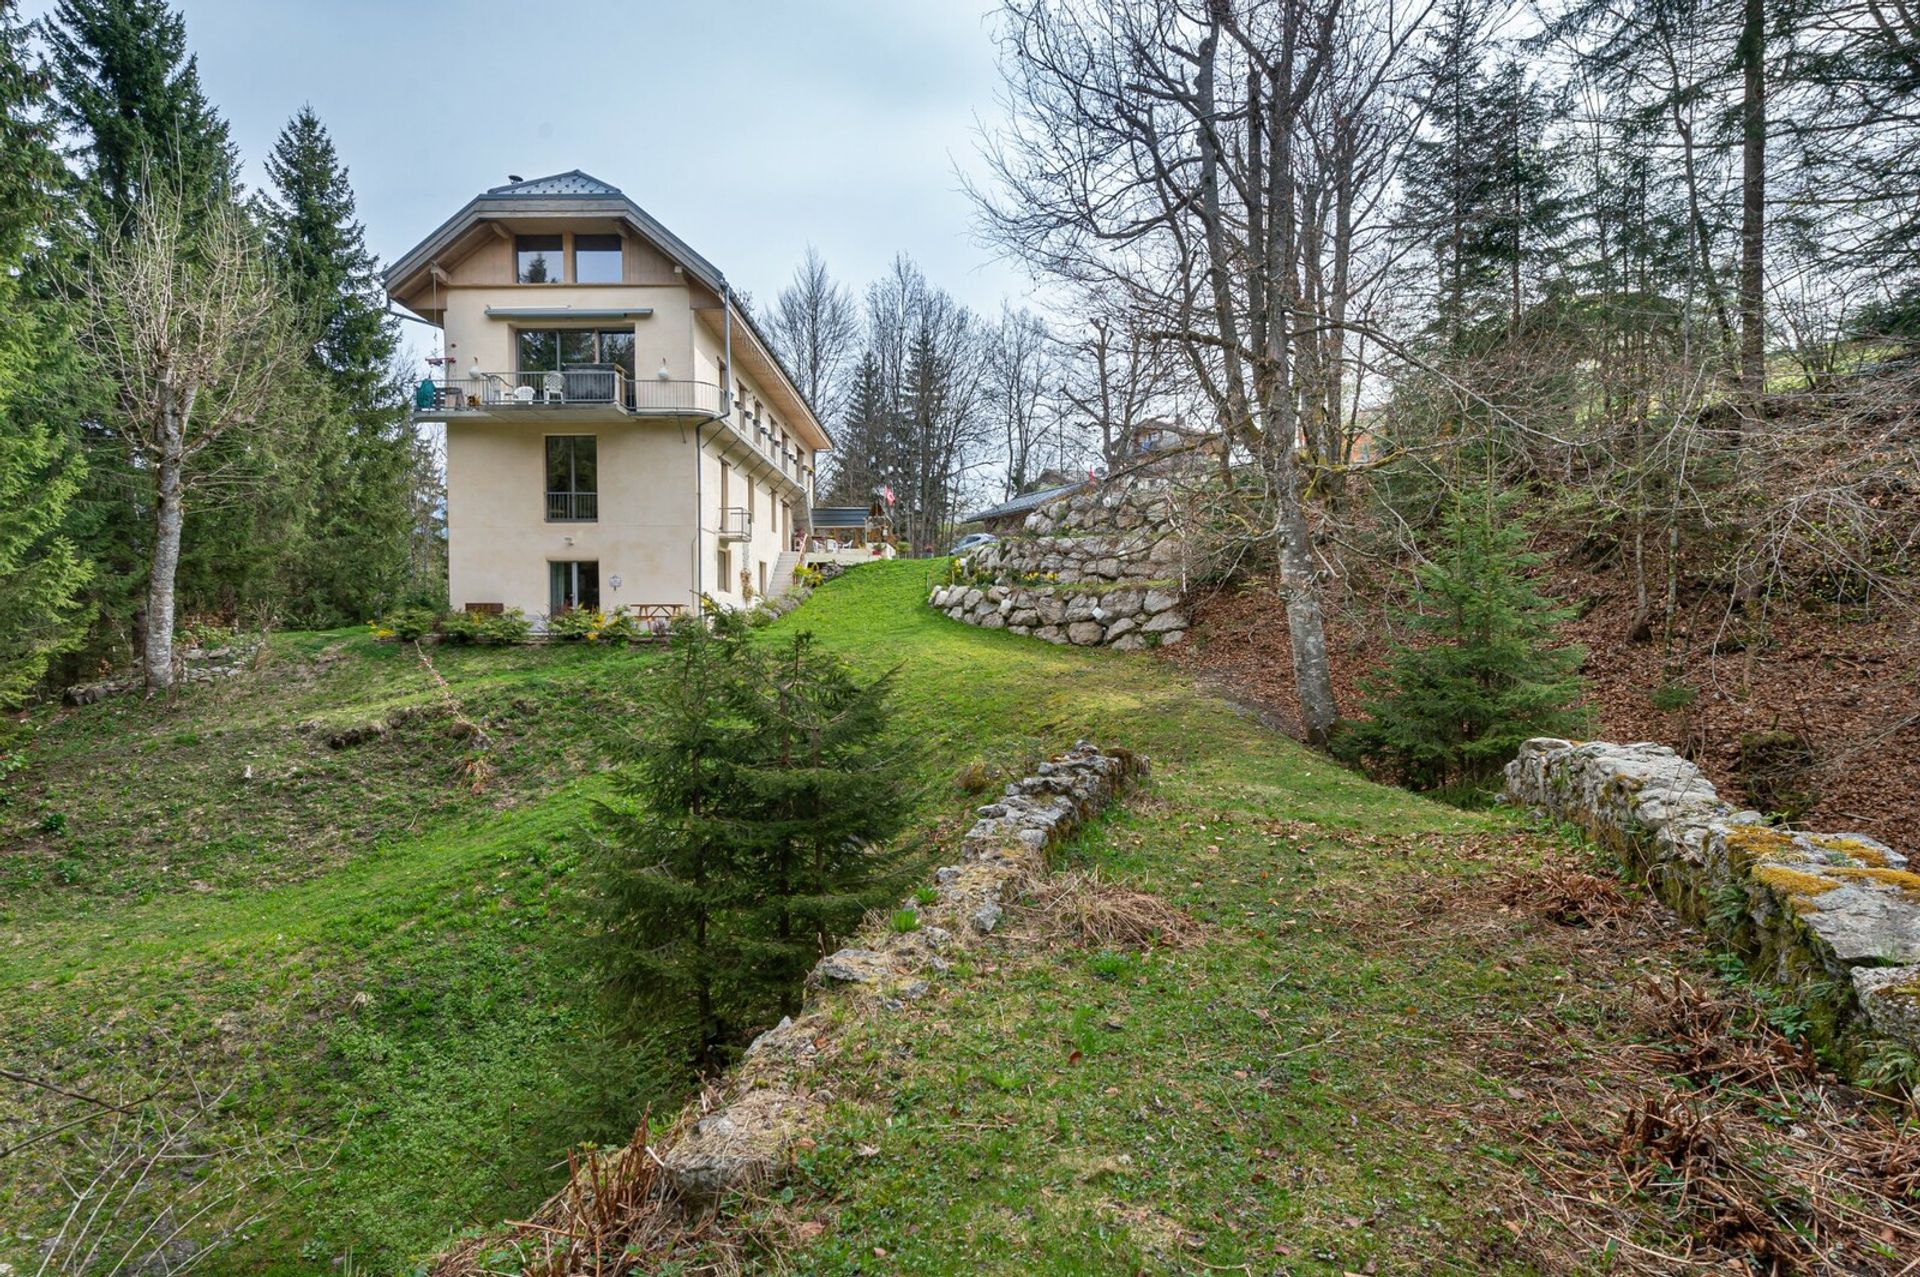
x: 1850, y: 688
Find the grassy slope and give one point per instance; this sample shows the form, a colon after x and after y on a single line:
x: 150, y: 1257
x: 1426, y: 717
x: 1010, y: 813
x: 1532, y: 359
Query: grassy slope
x: 1283, y: 1089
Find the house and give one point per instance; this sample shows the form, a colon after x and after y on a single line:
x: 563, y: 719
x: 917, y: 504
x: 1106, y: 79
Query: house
x: 848, y: 534
x: 617, y: 430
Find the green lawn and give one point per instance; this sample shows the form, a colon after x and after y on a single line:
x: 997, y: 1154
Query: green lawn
x: 380, y: 962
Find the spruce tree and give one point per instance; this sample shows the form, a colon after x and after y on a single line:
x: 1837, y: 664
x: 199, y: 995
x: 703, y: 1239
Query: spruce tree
x: 821, y: 791
x: 668, y: 877
x: 753, y: 803
x: 1481, y: 674
x: 125, y: 87
x: 41, y: 572
x: 353, y: 558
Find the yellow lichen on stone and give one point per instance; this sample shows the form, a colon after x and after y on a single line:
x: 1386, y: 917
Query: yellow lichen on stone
x: 1852, y: 848
x: 1793, y: 883
x: 1906, y: 883
x: 1748, y: 843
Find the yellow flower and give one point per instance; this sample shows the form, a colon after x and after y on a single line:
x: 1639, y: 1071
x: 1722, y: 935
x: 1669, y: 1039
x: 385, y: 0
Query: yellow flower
x: 593, y: 636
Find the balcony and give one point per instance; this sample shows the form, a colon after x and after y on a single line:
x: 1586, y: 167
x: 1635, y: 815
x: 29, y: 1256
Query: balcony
x: 736, y: 524
x: 573, y: 507
x: 589, y: 390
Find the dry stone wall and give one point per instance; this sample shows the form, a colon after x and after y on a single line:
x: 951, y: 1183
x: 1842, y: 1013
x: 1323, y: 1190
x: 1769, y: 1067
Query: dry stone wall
x: 1833, y: 917
x: 1103, y: 566
x: 768, y: 1103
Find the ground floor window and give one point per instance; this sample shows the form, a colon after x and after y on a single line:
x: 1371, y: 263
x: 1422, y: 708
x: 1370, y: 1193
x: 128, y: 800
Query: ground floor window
x: 573, y: 584
x: 725, y: 563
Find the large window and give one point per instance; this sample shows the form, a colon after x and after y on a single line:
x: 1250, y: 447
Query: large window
x: 596, y: 259
x: 573, y: 479
x: 573, y: 584
x: 598, y: 362
x: 537, y: 259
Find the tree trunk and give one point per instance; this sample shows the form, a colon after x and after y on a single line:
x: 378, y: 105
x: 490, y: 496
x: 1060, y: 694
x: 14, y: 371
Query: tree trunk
x: 167, y: 513
x: 1306, y: 628
x: 1753, y: 193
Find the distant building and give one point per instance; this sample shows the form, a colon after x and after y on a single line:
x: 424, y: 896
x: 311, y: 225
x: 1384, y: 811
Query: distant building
x: 1009, y: 517
x: 618, y: 432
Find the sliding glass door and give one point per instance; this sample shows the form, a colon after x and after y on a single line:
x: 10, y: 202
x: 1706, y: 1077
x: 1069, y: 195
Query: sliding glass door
x: 596, y: 364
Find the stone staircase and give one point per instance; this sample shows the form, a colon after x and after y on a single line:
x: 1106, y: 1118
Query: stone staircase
x: 782, y: 578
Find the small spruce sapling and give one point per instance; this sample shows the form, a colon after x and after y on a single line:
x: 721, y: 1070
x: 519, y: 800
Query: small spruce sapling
x: 1481, y: 675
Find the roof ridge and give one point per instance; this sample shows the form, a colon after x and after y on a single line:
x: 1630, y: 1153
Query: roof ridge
x: 572, y: 182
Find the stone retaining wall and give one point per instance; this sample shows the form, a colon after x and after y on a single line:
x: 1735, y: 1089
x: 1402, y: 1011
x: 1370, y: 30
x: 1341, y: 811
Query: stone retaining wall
x: 768, y: 1102
x: 1835, y: 918
x: 1103, y: 566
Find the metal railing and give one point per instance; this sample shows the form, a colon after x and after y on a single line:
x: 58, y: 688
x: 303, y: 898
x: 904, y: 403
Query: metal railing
x: 573, y: 507
x: 690, y: 397
x: 602, y: 387
x: 736, y: 524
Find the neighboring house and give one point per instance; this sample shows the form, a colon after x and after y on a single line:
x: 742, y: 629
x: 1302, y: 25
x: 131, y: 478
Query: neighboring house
x: 617, y: 430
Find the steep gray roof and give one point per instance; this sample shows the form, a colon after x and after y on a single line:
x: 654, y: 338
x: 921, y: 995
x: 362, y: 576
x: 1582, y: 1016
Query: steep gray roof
x: 1021, y: 504
x: 571, y: 182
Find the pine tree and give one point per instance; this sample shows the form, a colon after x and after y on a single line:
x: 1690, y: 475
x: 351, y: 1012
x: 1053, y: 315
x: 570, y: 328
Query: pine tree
x: 354, y: 555
x: 1453, y: 706
x: 41, y: 572
x: 821, y: 791
x: 126, y: 88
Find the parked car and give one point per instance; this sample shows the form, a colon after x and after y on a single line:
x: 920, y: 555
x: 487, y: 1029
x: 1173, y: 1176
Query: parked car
x: 972, y: 541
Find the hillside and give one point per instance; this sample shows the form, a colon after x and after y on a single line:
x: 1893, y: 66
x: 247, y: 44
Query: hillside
x: 1403, y: 1037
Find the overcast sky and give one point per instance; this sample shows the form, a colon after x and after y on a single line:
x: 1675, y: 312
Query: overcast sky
x: 749, y: 128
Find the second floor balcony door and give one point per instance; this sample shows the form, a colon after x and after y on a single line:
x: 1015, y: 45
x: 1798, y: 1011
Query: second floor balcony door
x: 595, y: 365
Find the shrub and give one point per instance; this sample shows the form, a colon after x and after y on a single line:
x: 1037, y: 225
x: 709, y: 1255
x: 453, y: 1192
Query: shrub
x: 461, y: 627
x: 505, y: 628
x: 408, y: 624
x: 1449, y: 710
x: 579, y: 624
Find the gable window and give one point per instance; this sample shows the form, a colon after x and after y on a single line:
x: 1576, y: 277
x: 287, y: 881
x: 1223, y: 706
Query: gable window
x: 537, y: 259
x: 573, y: 479
x: 596, y: 259
x: 573, y: 584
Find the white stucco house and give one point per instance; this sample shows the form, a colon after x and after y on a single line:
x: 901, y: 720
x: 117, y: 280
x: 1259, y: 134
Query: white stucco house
x: 617, y: 432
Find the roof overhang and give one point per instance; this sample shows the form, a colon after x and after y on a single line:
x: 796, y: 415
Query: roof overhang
x: 493, y: 207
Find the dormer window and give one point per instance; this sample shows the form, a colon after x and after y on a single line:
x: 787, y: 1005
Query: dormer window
x: 538, y: 259
x: 596, y: 259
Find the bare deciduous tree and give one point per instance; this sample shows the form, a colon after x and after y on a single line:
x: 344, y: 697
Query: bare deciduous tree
x: 185, y: 320
x: 815, y: 328
x: 1152, y: 151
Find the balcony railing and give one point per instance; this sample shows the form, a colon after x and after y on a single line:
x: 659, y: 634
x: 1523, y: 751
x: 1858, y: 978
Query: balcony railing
x: 573, y: 507
x: 571, y: 387
x: 736, y: 524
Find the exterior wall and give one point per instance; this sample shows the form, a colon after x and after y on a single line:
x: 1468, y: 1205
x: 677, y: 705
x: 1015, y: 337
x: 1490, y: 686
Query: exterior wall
x: 500, y: 541
x: 665, y: 334
x: 767, y: 543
